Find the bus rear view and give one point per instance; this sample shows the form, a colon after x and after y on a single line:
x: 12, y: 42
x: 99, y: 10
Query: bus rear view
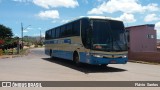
x: 99, y: 41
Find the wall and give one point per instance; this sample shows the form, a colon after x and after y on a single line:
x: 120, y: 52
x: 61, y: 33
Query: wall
x: 145, y: 56
x: 139, y: 42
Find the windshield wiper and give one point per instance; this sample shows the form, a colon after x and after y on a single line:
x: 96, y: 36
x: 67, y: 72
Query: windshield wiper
x: 118, y: 45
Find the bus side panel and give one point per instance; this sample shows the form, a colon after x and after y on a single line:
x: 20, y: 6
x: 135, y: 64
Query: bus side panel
x: 83, y: 58
x: 63, y: 54
x: 46, y: 52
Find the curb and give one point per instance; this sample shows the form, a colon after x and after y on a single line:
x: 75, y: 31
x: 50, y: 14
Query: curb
x: 11, y: 56
x: 14, y: 56
x: 144, y: 62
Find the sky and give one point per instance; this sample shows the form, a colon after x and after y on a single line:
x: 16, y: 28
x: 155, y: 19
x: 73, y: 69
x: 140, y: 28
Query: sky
x: 41, y: 15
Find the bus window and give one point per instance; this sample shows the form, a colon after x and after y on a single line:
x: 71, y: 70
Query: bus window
x: 53, y: 33
x: 57, y: 32
x: 76, y: 28
x: 69, y: 30
x: 47, y: 35
x: 50, y: 34
x: 63, y: 28
x: 86, y: 32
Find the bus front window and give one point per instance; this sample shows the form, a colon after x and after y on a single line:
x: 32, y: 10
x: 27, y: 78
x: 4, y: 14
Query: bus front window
x: 108, y: 35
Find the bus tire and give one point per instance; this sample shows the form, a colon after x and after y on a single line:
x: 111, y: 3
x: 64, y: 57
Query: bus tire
x: 76, y: 58
x: 50, y: 53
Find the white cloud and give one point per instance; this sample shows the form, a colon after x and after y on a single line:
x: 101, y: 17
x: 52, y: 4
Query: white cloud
x: 127, y: 18
x: 22, y: 0
x: 151, y: 17
x: 125, y: 6
x: 56, y: 3
x: 157, y: 27
x: 43, y: 35
x: 65, y: 21
x: 16, y: 34
x: 52, y: 14
x: 25, y: 31
x: 151, y: 7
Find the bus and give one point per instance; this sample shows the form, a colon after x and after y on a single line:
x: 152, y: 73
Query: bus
x: 91, y: 40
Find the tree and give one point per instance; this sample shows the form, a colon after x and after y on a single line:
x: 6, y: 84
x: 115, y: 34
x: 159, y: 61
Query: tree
x: 5, y: 36
x: 5, y: 32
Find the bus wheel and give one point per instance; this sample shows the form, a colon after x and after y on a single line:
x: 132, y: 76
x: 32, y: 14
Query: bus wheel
x: 76, y: 59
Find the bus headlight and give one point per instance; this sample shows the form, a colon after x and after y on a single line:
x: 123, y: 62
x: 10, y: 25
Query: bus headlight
x: 98, y: 56
x: 124, y: 56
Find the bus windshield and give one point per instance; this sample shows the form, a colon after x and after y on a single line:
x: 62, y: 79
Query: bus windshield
x: 108, y: 35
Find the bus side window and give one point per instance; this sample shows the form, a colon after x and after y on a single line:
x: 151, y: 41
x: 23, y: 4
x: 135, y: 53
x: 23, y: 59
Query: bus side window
x: 86, y: 33
x: 53, y: 33
x: 46, y: 36
x: 50, y: 34
x: 62, y: 33
x: 57, y: 32
x: 76, y: 28
x: 69, y: 30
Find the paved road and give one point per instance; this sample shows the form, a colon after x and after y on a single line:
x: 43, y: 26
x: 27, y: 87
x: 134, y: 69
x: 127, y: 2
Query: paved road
x: 39, y: 67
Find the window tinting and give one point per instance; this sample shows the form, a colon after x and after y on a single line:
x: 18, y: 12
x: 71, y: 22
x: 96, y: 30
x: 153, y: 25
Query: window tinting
x: 47, y: 35
x: 69, y: 30
x: 76, y: 28
x: 86, y: 32
x: 109, y: 35
x: 63, y: 28
x: 50, y: 34
x: 53, y: 33
x: 57, y: 32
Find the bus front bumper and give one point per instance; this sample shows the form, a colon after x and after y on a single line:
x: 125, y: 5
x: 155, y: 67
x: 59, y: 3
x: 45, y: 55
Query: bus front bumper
x: 98, y: 60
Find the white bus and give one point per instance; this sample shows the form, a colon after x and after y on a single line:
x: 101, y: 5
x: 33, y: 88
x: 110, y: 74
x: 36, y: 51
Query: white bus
x: 91, y: 40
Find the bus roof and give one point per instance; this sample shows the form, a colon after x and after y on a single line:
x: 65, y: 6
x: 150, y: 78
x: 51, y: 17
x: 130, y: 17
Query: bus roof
x: 100, y: 17
x: 90, y: 17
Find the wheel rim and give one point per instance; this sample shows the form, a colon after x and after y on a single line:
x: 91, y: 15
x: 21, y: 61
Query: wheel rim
x: 76, y: 59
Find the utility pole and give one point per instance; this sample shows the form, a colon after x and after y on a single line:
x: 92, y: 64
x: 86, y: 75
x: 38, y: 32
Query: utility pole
x: 22, y: 29
x: 22, y: 34
x: 18, y: 47
x: 40, y: 37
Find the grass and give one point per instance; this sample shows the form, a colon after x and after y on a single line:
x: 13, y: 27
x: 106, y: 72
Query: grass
x: 10, y: 52
x: 14, y: 52
x: 24, y: 51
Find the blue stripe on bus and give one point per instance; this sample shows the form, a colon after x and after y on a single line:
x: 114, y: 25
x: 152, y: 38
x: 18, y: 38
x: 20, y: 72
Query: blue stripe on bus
x: 67, y: 40
x: 63, y: 54
x: 60, y: 41
x: 87, y: 59
x: 94, y: 60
